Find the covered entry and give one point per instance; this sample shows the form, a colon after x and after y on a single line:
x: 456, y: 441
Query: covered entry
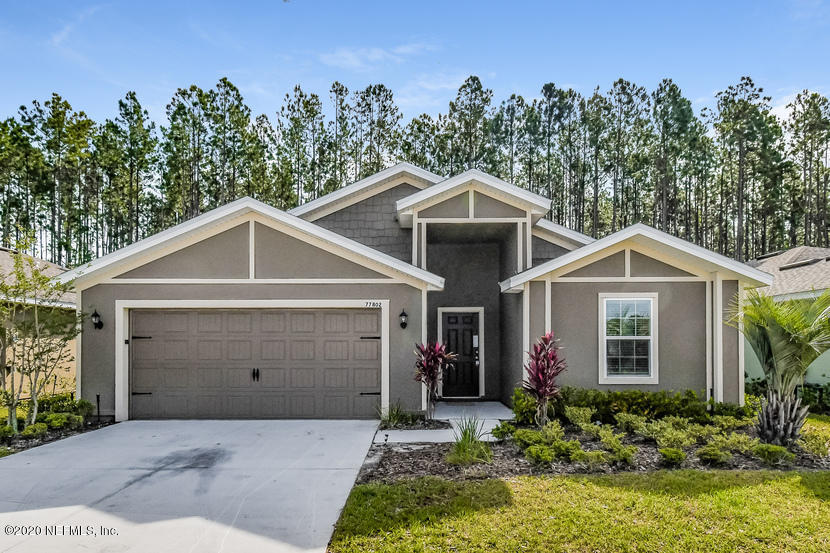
x: 255, y: 363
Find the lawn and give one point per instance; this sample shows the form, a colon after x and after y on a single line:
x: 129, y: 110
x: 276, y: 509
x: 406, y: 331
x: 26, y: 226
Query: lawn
x: 676, y: 511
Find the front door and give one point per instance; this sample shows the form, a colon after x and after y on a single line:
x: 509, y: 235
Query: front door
x: 460, y: 334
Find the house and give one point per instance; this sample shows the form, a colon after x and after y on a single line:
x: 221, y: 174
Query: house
x: 64, y: 377
x: 800, y: 273
x: 249, y: 311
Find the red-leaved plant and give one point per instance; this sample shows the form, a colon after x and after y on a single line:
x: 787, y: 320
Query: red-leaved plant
x: 432, y: 359
x: 543, y: 366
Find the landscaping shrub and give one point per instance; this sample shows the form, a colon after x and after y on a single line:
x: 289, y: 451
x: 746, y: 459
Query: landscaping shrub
x: 55, y: 420
x: 734, y: 442
x: 525, y: 437
x: 711, y: 454
x: 64, y: 403
x: 36, y: 430
x: 524, y: 407
x: 6, y: 432
x: 468, y: 448
x: 629, y: 422
x: 5, y: 451
x: 675, y: 438
x: 703, y: 433
x: 593, y: 460
x: 503, y: 430
x: 544, y: 365
x: 397, y: 416
x: 566, y: 449
x: 727, y: 423
x: 430, y: 362
x: 540, y: 454
x: 84, y: 408
x: 671, y: 456
x: 773, y: 455
x: 579, y: 415
x: 815, y: 439
x: 652, y: 405
x: 552, y: 432
x: 612, y: 442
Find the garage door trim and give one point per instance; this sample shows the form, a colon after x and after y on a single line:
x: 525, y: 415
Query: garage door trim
x: 122, y: 329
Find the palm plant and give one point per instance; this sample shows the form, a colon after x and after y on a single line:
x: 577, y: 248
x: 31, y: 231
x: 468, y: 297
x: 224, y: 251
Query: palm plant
x: 786, y: 336
x: 431, y: 361
x: 544, y: 365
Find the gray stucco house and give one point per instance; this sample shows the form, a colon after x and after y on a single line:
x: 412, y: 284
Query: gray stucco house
x: 249, y: 311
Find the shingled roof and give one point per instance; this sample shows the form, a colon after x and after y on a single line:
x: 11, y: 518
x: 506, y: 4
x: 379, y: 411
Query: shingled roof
x: 49, y: 268
x: 799, y: 272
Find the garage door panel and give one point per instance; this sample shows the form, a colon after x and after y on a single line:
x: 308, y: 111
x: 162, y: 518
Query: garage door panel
x: 309, y: 363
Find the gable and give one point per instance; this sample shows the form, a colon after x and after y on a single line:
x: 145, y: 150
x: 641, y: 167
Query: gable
x: 456, y: 207
x: 645, y: 266
x: 278, y: 255
x: 544, y: 250
x: 611, y: 266
x: 223, y: 255
x: 489, y: 207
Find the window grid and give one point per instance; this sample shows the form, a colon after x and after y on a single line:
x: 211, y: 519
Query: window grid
x: 628, y: 337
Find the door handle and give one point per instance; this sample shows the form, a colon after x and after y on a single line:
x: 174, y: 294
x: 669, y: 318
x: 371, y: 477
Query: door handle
x: 257, y: 374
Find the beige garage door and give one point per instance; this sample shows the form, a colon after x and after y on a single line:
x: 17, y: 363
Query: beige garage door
x: 254, y: 363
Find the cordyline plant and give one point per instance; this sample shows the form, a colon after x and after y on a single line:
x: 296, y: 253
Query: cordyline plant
x: 543, y: 367
x: 786, y: 336
x: 432, y: 359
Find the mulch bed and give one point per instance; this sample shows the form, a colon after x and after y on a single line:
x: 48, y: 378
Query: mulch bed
x: 392, y: 462
x: 421, y: 424
x: 18, y: 444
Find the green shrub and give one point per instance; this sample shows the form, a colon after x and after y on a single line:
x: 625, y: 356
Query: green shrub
x: 552, y: 432
x: 6, y: 432
x: 396, y: 416
x: 735, y: 442
x: 629, y: 422
x: 63, y: 403
x: 84, y: 408
x: 711, y: 454
x: 671, y: 456
x: 579, y: 415
x: 566, y: 449
x: 56, y: 421
x: 540, y: 454
x: 36, y: 430
x: 748, y: 410
x: 651, y: 405
x: 612, y: 442
x: 815, y: 443
x: 468, y: 448
x: 593, y: 460
x: 5, y: 451
x: 525, y: 437
x: 503, y: 430
x: 74, y: 422
x: 703, y: 433
x: 729, y: 423
x: 677, y: 422
x: 524, y: 407
x: 675, y: 438
x: 773, y: 455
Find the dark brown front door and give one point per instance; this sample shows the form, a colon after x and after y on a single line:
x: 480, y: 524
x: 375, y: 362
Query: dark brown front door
x: 461, y: 337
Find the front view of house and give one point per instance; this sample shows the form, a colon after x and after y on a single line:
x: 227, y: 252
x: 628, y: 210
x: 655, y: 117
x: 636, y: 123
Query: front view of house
x: 251, y: 312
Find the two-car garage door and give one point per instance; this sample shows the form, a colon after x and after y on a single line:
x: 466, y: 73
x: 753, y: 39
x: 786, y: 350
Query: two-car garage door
x: 255, y: 363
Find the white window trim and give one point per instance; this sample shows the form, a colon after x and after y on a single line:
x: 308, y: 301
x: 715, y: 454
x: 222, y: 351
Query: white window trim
x: 122, y: 334
x: 653, y: 378
x: 480, y: 311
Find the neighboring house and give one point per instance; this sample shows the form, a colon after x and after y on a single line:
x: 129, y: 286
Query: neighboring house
x: 249, y: 311
x: 65, y: 376
x: 801, y: 273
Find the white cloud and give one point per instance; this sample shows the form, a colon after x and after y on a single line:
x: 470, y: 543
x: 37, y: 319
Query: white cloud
x: 58, y: 38
x: 366, y: 59
x: 429, y: 92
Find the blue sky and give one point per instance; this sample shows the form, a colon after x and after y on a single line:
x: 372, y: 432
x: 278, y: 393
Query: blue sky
x: 93, y: 53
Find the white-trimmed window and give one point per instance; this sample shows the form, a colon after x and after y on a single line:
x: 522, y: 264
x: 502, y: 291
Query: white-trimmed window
x: 628, y: 338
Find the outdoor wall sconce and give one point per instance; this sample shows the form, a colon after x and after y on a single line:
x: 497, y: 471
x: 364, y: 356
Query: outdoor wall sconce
x: 96, y: 320
x: 403, y: 317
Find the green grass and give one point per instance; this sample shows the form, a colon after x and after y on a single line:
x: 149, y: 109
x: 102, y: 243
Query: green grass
x: 678, y: 511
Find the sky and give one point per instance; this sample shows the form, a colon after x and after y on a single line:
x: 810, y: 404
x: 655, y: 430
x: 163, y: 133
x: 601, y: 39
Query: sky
x: 93, y: 53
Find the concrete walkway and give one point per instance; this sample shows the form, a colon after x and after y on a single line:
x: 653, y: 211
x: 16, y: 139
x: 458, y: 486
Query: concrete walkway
x: 489, y: 414
x: 184, y: 486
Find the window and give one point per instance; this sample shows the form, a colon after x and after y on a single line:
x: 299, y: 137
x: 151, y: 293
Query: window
x: 628, y: 339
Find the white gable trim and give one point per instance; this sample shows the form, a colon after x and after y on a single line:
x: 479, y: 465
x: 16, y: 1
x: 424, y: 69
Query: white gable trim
x: 233, y: 214
x: 753, y: 277
x: 365, y: 188
x: 484, y: 183
x: 548, y: 230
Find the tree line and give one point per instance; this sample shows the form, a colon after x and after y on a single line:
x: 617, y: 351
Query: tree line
x: 734, y: 178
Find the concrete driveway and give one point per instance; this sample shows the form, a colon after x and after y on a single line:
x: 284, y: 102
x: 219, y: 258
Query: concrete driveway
x: 184, y: 486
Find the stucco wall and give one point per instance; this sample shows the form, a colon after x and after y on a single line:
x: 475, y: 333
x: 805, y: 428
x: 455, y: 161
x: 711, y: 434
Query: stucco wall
x: 486, y: 206
x: 98, y: 356
x: 731, y: 338
x: 544, y: 250
x: 457, y: 206
x: 511, y: 340
x: 613, y: 265
x: 471, y: 273
x: 681, y: 333
x: 222, y: 256
x: 643, y: 265
x: 373, y: 222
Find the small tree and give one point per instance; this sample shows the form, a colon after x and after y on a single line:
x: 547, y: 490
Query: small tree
x: 34, y: 330
x: 432, y: 359
x: 786, y: 336
x: 543, y: 367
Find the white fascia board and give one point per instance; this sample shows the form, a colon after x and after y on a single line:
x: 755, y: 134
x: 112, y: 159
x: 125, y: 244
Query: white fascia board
x: 754, y: 276
x: 241, y: 207
x: 564, y: 232
x: 540, y: 202
x: 361, y: 185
